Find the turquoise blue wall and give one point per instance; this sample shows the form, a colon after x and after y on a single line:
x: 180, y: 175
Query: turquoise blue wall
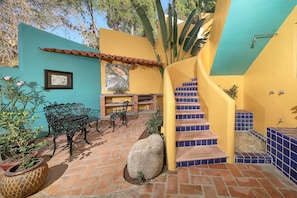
x: 33, y: 61
x: 245, y: 19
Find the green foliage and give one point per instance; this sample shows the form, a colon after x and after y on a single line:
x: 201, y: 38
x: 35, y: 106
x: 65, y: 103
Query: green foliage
x: 184, y: 8
x: 140, y: 176
x: 294, y: 111
x: 172, y: 43
x: 192, y: 36
x: 19, y: 101
x: 153, y: 125
x: 207, y: 6
x: 232, y: 92
x: 148, y: 29
x: 120, y: 89
x: 163, y: 25
x: 121, y: 16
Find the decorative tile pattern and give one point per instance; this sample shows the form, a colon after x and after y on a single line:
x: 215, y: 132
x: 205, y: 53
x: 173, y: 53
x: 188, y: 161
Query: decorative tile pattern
x: 196, y: 142
x: 252, y: 158
x: 188, y: 107
x: 186, y: 88
x: 189, y: 116
x: 201, y: 162
x: 243, y: 120
x: 186, y: 94
x: 192, y: 128
x: 192, y: 83
x: 186, y: 100
x: 282, y: 146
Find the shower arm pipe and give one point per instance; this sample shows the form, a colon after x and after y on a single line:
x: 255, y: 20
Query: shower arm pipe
x: 262, y: 36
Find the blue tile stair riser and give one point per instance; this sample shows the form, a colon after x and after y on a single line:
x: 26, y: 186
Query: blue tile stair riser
x: 294, y: 156
x: 286, y: 152
x: 199, y: 162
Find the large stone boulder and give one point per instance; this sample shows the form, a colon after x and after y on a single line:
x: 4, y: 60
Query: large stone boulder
x: 146, y: 157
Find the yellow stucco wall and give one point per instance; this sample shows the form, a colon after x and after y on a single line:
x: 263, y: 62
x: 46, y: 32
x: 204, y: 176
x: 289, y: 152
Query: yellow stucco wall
x: 142, y: 79
x: 226, y: 82
x: 274, y: 70
x: 220, y: 107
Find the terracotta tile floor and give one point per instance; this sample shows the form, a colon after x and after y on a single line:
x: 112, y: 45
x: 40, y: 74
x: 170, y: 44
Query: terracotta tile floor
x: 96, y: 170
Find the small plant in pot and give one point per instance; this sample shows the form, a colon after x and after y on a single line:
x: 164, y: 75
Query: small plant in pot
x: 154, y: 124
x: 19, y: 101
x: 232, y: 92
x: 119, y: 89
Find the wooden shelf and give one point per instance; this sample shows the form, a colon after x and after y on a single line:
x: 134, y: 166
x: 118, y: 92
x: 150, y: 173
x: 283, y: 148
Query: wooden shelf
x: 147, y: 102
x: 138, y: 103
x: 117, y: 104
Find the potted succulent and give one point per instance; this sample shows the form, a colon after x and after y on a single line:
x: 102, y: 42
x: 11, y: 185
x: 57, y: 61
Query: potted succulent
x: 232, y: 92
x: 19, y: 101
x: 120, y: 89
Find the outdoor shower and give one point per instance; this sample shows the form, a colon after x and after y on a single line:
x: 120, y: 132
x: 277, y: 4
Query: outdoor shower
x: 257, y: 36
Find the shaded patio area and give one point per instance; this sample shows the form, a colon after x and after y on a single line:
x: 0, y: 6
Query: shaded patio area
x: 96, y: 170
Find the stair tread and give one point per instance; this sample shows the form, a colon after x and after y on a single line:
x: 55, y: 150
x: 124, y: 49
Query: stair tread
x: 199, y: 153
x: 196, y: 111
x: 201, y: 135
x: 188, y: 84
x: 195, y: 97
x: 187, y: 103
x: 185, y: 91
x: 189, y: 122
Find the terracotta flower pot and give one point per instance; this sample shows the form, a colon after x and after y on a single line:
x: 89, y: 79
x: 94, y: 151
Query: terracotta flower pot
x: 6, y: 165
x: 19, y: 184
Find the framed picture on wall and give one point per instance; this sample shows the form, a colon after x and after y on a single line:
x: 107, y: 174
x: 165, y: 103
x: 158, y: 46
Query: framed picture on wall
x: 117, y: 76
x: 58, y: 79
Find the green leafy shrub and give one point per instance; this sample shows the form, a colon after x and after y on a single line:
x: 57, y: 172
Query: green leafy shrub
x: 232, y: 92
x: 140, y: 176
x: 19, y: 101
x: 153, y: 125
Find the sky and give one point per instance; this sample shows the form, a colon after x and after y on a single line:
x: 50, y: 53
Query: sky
x: 101, y: 23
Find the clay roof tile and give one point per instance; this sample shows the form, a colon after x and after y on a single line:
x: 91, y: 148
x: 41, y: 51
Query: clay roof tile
x: 107, y: 57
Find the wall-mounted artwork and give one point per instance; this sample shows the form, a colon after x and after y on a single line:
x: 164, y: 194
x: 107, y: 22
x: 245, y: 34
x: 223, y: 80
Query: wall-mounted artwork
x: 116, y: 76
x: 57, y: 80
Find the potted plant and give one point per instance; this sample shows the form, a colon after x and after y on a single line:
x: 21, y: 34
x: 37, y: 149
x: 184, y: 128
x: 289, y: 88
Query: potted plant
x: 154, y: 124
x: 232, y: 92
x: 19, y: 101
x: 119, y: 89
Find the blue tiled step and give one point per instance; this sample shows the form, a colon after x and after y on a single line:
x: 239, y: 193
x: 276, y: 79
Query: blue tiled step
x: 187, y: 106
x: 252, y: 158
x: 186, y: 93
x: 193, y: 83
x: 188, y: 99
x: 186, y: 88
x: 196, y: 155
x: 191, y: 125
x: 196, y: 138
x: 191, y: 114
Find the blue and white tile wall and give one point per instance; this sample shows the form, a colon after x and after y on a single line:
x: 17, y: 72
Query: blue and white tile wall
x: 253, y: 158
x: 282, y: 146
x: 243, y: 120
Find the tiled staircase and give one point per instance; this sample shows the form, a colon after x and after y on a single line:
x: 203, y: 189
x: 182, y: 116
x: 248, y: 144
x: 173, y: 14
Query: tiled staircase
x: 195, y: 143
